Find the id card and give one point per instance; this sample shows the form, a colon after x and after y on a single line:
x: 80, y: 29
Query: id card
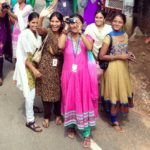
x: 54, y: 62
x: 64, y: 4
x: 74, y: 68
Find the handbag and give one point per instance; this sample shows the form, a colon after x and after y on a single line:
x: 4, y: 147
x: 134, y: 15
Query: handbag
x: 104, y: 63
x: 38, y: 53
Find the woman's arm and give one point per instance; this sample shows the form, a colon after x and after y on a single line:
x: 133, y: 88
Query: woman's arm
x: 63, y: 37
x: 41, y: 30
x: 12, y: 14
x: 103, y: 55
x: 62, y: 40
x: 53, y: 4
x: 88, y: 43
x: 35, y: 71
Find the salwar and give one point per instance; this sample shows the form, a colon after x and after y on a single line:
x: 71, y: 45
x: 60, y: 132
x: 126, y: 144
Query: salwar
x: 86, y: 132
x: 1, y: 66
x: 48, y: 108
x: 29, y: 101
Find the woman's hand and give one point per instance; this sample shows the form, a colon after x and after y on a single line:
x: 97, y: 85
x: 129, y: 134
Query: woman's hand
x: 46, y: 12
x: 37, y: 73
x: 129, y: 56
x: 132, y: 56
x: 79, y: 26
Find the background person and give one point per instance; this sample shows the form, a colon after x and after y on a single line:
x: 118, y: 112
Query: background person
x: 5, y: 40
x: 20, y: 15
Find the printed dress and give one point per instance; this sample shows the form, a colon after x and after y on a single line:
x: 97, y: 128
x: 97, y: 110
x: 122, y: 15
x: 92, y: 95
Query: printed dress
x: 49, y: 85
x: 116, y: 88
x: 79, y: 103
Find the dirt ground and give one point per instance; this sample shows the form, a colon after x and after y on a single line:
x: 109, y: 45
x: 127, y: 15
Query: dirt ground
x: 140, y: 75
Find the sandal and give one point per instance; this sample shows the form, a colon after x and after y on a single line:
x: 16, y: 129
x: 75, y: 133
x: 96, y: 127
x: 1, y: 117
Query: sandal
x: 45, y: 123
x: 71, y: 133
x: 34, y: 127
x: 37, y: 109
x: 58, y: 120
x: 117, y: 127
x: 87, y: 142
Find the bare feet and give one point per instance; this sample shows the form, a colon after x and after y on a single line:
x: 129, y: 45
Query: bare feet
x: 87, y: 142
x: 117, y: 127
x: 45, y: 123
x: 71, y: 133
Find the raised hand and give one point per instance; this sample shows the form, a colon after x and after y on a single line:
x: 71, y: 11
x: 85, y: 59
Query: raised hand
x: 46, y: 12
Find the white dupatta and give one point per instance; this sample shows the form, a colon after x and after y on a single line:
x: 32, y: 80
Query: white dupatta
x: 97, y: 35
x: 27, y: 42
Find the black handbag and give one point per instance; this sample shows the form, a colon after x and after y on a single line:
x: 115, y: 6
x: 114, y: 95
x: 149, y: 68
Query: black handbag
x: 104, y: 63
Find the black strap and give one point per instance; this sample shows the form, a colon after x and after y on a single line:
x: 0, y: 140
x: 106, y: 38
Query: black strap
x: 110, y: 45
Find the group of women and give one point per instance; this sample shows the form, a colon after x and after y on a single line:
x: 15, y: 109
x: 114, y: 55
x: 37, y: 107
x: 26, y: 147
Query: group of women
x: 66, y: 77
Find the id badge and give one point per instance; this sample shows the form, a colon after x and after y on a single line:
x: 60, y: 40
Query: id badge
x: 64, y: 4
x: 54, y: 62
x: 74, y: 68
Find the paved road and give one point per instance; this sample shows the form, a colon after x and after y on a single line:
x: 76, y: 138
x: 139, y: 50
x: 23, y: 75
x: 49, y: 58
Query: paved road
x: 15, y: 136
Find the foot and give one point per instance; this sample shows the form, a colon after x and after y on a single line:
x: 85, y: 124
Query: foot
x: 34, y: 127
x: 71, y: 133
x: 117, y: 127
x: 1, y: 82
x: 87, y: 142
x: 58, y: 120
x: 45, y: 123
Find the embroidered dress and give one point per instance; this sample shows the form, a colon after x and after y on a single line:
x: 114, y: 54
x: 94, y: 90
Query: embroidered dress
x: 116, y: 88
x: 21, y: 24
x: 79, y: 104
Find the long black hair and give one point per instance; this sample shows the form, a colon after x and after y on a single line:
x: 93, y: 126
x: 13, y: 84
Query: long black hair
x: 32, y: 16
x: 59, y: 17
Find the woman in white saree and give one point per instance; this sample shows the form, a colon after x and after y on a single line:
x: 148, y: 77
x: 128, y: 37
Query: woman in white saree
x: 25, y: 71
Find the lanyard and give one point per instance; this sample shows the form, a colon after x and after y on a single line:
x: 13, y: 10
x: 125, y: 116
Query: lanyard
x: 75, y: 46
